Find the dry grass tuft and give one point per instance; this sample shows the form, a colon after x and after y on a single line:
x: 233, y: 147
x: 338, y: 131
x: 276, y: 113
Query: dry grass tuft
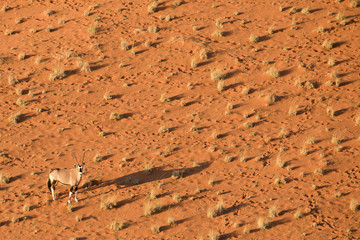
x: 319, y: 171
x: 273, y: 72
x: 3, y: 178
x: 163, y: 98
x: 176, y: 197
x: 98, y: 158
x: 171, y: 221
x: 213, y: 235
x: 331, y: 61
x: 218, y: 33
x: 298, y: 214
x: 83, y: 66
x: 117, y: 226
x: 16, y: 118
x: 305, y: 11
x: 273, y: 211
x: 330, y: 111
x: 163, y: 129
x: 21, y: 56
x: 115, y: 116
x: 327, y: 45
x: 262, y: 223
x: 279, y: 161
x: 57, y: 74
x: 108, y: 202
x: 354, y: 205
x: 12, y: 80
x: 217, y: 75
x: 211, y: 213
x: 220, y: 85
x: 254, y: 38
x: 203, y: 54
x: 176, y: 174
x: 155, y: 228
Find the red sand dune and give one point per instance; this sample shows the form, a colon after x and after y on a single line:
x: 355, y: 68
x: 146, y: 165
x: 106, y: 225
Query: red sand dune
x: 225, y: 140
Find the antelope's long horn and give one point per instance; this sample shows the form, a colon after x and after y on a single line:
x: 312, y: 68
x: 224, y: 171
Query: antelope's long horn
x: 83, y: 158
x: 75, y: 158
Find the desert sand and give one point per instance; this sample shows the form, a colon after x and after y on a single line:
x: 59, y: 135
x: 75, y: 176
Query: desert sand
x: 200, y: 119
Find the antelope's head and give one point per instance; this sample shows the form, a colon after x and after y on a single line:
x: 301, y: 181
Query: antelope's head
x: 79, y: 167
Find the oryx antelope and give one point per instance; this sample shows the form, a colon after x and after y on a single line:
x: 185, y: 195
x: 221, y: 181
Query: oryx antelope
x: 70, y: 177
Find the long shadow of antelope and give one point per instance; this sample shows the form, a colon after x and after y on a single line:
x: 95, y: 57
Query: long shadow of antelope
x: 142, y: 177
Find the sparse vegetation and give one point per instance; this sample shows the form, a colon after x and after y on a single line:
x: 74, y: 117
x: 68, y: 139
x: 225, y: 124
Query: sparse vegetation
x: 117, y: 226
x: 217, y: 75
x: 298, y: 214
x: 57, y: 74
x: 327, y: 45
x: 108, y: 202
x: 3, y: 178
x: 262, y: 223
x: 273, y: 211
x: 253, y: 38
x: 98, y: 158
x: 15, y: 118
x: 273, y: 72
x: 354, y: 205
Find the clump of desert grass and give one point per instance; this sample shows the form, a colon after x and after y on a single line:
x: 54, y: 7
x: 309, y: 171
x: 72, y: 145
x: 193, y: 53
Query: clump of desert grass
x: 171, y: 221
x: 15, y: 118
x: 164, y: 99
x: 273, y: 72
x: 218, y: 33
x: 357, y: 120
x: 4, y: 178
x: 354, y: 205
x: 273, y: 211
x: 84, y: 66
x: 335, y: 139
x: 319, y: 171
x: 220, y: 85
x: 354, y: 3
x: 254, y: 39
x: 330, y: 111
x: 57, y: 74
x: 98, y: 158
x: 21, y: 103
x: 213, y: 235
x: 152, y: 7
x: 217, y: 75
x: 262, y: 223
x: 203, y: 54
x: 177, y: 174
x: 292, y: 111
x: 115, y: 116
x: 298, y: 214
x: 193, y: 62
x: 118, y: 225
x: 151, y: 208
x: 108, y: 202
x: 163, y: 129
x: 280, y: 162
x: 12, y: 80
x: 152, y: 29
x: 331, y: 61
x: 155, y: 228
x: 176, y: 197
x: 92, y: 30
x: 21, y: 56
x: 327, y: 45
x: 305, y: 11
x: 271, y: 98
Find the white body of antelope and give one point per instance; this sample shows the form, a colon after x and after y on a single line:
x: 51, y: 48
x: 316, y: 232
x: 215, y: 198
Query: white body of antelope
x: 71, y: 177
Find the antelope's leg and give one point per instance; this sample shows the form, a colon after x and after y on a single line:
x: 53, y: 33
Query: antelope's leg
x: 53, y: 190
x: 76, y: 188
x: 70, y: 192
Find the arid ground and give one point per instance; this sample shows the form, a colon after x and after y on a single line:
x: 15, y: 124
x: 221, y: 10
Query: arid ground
x: 200, y: 119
